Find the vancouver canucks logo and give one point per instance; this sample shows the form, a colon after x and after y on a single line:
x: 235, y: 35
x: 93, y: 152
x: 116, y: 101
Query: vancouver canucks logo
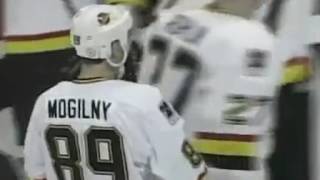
x: 103, y: 18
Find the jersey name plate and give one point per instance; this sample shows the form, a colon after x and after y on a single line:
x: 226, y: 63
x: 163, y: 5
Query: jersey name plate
x: 78, y: 108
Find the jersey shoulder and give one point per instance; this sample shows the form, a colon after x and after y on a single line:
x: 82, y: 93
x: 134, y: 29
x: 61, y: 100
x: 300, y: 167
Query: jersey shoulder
x: 227, y: 24
x: 241, y: 29
x: 195, y: 26
x: 181, y: 27
x: 52, y: 92
x: 256, y: 29
x: 59, y: 88
x: 237, y: 33
x: 117, y: 90
x: 140, y: 96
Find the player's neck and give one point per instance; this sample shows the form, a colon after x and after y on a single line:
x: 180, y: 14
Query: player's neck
x: 100, y: 70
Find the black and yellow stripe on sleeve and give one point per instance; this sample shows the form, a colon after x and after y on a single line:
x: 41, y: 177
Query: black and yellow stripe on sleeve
x: 227, y: 151
x: 50, y: 41
x: 297, y: 69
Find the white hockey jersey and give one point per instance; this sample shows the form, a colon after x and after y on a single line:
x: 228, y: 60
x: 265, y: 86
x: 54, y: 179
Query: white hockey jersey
x: 219, y: 72
x: 107, y: 130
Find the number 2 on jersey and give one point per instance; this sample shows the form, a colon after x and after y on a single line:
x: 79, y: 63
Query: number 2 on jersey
x: 104, y: 150
x: 182, y: 59
x: 246, y: 110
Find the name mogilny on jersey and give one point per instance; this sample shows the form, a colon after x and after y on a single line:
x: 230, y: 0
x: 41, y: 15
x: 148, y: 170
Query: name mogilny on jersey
x: 78, y: 108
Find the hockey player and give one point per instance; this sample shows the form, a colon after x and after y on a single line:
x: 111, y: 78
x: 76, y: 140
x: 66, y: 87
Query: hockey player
x: 217, y: 67
x: 97, y: 127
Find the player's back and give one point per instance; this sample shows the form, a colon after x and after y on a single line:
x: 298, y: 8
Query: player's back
x: 231, y: 105
x: 236, y: 63
x: 219, y: 72
x: 198, y: 57
x: 94, y: 131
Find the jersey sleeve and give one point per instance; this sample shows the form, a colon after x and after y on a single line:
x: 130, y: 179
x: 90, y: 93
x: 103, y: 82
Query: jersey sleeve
x: 172, y: 156
x: 34, y: 158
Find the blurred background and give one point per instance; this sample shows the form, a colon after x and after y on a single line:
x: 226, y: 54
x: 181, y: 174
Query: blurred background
x: 35, y: 51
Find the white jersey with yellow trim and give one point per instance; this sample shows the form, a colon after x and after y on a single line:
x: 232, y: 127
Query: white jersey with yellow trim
x: 33, y: 26
x: 108, y: 130
x: 219, y: 72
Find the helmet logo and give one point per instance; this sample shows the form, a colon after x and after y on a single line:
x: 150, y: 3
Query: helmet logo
x: 103, y: 18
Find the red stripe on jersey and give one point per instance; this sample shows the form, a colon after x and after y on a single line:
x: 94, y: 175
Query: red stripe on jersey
x: 37, y: 36
x: 300, y: 60
x: 227, y: 137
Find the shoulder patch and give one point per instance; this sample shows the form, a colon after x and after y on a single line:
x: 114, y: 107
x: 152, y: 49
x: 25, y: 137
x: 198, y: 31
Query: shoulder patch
x: 168, y: 111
